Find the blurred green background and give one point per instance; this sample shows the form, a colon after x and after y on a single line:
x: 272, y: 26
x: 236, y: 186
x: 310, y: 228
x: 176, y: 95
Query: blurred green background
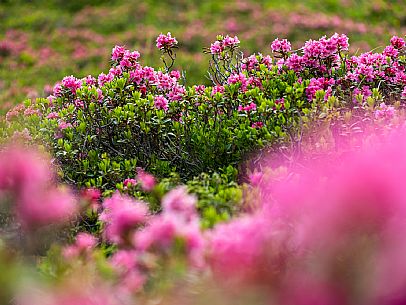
x: 41, y: 40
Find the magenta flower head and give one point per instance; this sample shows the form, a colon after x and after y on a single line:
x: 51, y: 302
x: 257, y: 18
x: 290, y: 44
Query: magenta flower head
x: 84, y: 244
x: 72, y: 83
x: 117, y: 53
x: 281, y: 46
x: 37, y: 201
x: 222, y: 43
x: 121, y: 215
x: 146, y: 180
x: 166, y: 41
x: 397, y: 42
x: 161, y: 102
x: 178, y: 201
x: 129, y: 182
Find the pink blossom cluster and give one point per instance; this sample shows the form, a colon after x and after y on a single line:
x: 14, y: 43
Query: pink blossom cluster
x: 121, y: 215
x: 385, y: 112
x: 281, y: 46
x: 223, y: 43
x: 300, y: 244
x: 13, y: 43
x: 129, y: 182
x: 146, y: 79
x: 83, y: 246
x: 166, y: 41
x: 314, y: 51
x: 373, y: 67
x: 252, y: 62
x: 146, y: 180
x: 319, y: 84
x: 238, y: 78
x: 178, y: 220
x: 125, y: 58
x: 161, y: 102
x: 217, y: 89
x: 25, y: 175
x: 71, y: 83
x: 128, y: 224
x: 365, y: 91
x: 250, y: 107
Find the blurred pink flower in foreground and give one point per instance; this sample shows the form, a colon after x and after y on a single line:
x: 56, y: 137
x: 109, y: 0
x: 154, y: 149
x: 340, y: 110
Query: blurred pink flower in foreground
x: 146, y: 180
x: 26, y: 176
x: 329, y: 235
x: 122, y: 214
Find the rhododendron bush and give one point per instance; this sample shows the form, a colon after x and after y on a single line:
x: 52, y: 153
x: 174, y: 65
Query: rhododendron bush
x: 281, y: 183
x: 102, y: 128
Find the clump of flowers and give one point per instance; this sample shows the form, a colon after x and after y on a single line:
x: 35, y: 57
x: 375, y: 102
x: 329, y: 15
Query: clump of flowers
x: 166, y: 41
x: 300, y: 244
x: 167, y: 44
x: 121, y: 216
x: 25, y: 176
x: 385, y: 112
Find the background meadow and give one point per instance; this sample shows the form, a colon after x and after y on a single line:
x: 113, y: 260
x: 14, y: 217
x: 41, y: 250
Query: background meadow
x: 42, y: 41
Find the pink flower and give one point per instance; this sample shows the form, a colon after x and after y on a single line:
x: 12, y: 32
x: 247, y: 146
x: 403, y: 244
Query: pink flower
x: 217, y: 89
x: 166, y: 41
x: 63, y: 125
x: 397, y: 42
x: 79, y: 104
x: 281, y: 46
x: 103, y: 78
x: 161, y: 102
x: 238, y: 78
x: 216, y: 48
x: 25, y: 175
x: 121, y: 215
x: 92, y: 196
x: 178, y: 201
x: 146, y: 180
x: 71, y: 83
x: 57, y: 90
x: 200, y: 89
x: 251, y: 107
x: 89, y: 80
x: 116, y: 71
x: 125, y: 263
x: 117, y: 53
x: 257, y: 125
x: 385, y: 112
x: 53, y: 115
x: 162, y: 232
x: 45, y: 206
x: 390, y: 51
x: 175, y: 74
x: 294, y: 62
x: 251, y: 62
x: 230, y: 41
x: 226, y: 42
x: 83, y: 245
x: 129, y: 182
x: 318, y: 84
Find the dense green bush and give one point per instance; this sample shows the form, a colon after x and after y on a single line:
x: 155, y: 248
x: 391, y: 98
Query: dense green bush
x: 101, y: 131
